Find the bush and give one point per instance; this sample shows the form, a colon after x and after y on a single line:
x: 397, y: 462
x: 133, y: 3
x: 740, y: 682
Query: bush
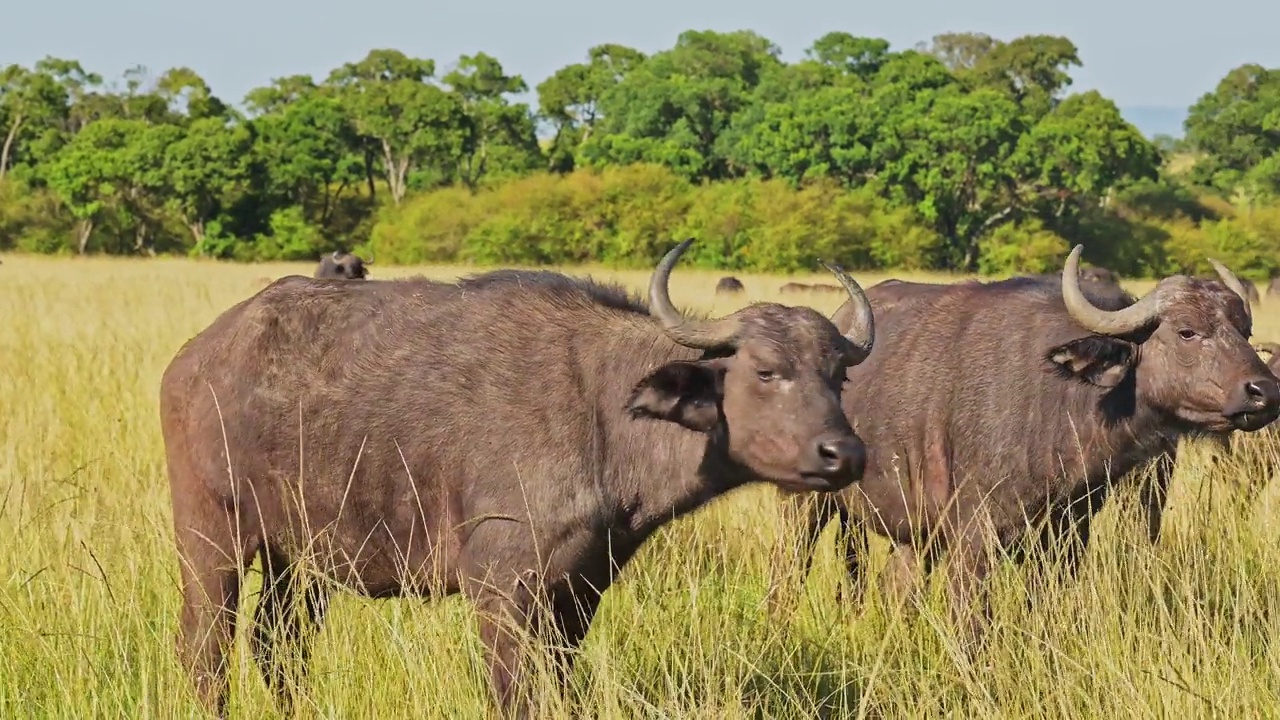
x: 33, y: 220
x: 629, y: 217
x: 1025, y: 247
x: 291, y: 237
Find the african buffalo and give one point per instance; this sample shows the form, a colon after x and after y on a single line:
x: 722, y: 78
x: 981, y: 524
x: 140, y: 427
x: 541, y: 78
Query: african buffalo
x: 1273, y: 287
x: 493, y: 437
x: 1154, y: 490
x: 342, y: 266
x: 1250, y: 290
x: 795, y: 287
x: 824, y: 288
x: 1100, y: 275
x: 729, y: 285
x: 987, y: 405
x: 1272, y: 349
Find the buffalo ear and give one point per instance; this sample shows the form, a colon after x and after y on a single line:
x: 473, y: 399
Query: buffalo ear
x: 686, y: 393
x: 1096, y: 359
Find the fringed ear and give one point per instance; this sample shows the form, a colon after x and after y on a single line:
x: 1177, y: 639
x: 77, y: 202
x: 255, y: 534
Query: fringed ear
x: 685, y: 393
x: 1095, y: 359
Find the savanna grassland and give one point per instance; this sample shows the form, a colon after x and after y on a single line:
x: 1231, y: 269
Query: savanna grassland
x: 89, y: 592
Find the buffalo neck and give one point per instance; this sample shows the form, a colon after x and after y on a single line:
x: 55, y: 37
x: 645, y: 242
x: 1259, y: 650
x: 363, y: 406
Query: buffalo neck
x: 653, y: 470
x: 1124, y: 431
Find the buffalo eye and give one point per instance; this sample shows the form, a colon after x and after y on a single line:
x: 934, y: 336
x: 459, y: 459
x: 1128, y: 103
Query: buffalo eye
x: 1187, y: 334
x: 766, y: 375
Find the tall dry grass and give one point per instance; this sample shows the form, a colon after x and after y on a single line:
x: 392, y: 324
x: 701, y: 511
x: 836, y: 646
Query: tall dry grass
x: 89, y: 594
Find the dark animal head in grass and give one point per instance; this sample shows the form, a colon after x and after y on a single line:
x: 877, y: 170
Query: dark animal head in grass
x: 729, y: 285
x: 342, y: 266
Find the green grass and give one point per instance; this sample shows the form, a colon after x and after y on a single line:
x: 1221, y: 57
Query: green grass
x: 89, y: 595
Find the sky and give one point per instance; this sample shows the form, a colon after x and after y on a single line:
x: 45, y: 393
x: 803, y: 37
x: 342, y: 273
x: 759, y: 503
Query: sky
x: 1148, y: 54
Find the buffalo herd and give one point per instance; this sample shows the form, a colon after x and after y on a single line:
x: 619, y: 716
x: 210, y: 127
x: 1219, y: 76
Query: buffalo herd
x: 516, y: 436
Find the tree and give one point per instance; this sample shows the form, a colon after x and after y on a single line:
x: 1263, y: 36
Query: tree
x: 673, y: 108
x: 113, y: 166
x: 204, y: 169
x: 409, y: 120
x: 37, y: 100
x: 571, y: 98
x: 1078, y: 153
x: 503, y: 134
x: 947, y: 153
x: 308, y: 148
x: 856, y: 55
x: 960, y: 52
x: 1033, y: 69
x: 1237, y: 127
x: 279, y: 94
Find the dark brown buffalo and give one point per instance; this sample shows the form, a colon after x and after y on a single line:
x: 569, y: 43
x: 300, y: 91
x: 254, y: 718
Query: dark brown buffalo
x: 1154, y: 490
x: 342, y: 266
x: 496, y: 437
x: 795, y: 287
x: 1250, y: 290
x: 1273, y: 287
x: 824, y: 288
x: 986, y: 407
x: 729, y: 285
x: 1100, y: 275
x: 1272, y: 349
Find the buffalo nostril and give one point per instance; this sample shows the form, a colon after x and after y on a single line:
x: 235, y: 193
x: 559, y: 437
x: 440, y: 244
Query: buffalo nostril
x: 1263, y: 391
x: 1268, y: 390
x: 841, y: 456
x: 834, y: 455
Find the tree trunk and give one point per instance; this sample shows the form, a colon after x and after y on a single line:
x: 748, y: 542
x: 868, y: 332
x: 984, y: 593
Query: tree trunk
x: 140, y: 239
x: 397, y: 172
x: 197, y: 232
x: 83, y: 233
x: 369, y: 174
x: 8, y: 145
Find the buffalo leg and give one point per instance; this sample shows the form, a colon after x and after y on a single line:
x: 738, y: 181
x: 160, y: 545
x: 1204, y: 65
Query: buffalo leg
x: 802, y: 518
x: 285, y: 623
x: 905, y: 571
x: 970, y: 564
x: 1062, y: 543
x: 855, y: 553
x: 574, y: 609
x: 207, y: 625
x: 560, y: 617
x: 504, y: 622
x: 1154, y: 494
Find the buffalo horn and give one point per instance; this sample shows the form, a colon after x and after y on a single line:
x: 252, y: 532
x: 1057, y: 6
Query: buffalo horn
x: 1230, y: 280
x: 705, y: 334
x: 862, y: 330
x: 1097, y: 320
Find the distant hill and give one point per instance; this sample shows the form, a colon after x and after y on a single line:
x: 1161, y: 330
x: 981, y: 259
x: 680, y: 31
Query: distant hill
x: 1155, y: 120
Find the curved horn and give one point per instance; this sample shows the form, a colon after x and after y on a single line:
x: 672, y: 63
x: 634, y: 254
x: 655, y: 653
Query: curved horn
x: 862, y: 331
x: 1095, y: 319
x: 703, y: 335
x: 1268, y: 347
x: 1230, y: 280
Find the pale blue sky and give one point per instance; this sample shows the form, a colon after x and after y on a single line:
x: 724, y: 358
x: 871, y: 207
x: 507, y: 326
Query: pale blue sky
x: 1164, y: 54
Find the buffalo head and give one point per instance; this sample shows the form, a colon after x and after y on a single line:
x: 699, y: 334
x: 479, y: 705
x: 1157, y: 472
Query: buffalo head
x: 767, y: 386
x: 729, y: 285
x: 1186, y: 344
x: 342, y: 266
